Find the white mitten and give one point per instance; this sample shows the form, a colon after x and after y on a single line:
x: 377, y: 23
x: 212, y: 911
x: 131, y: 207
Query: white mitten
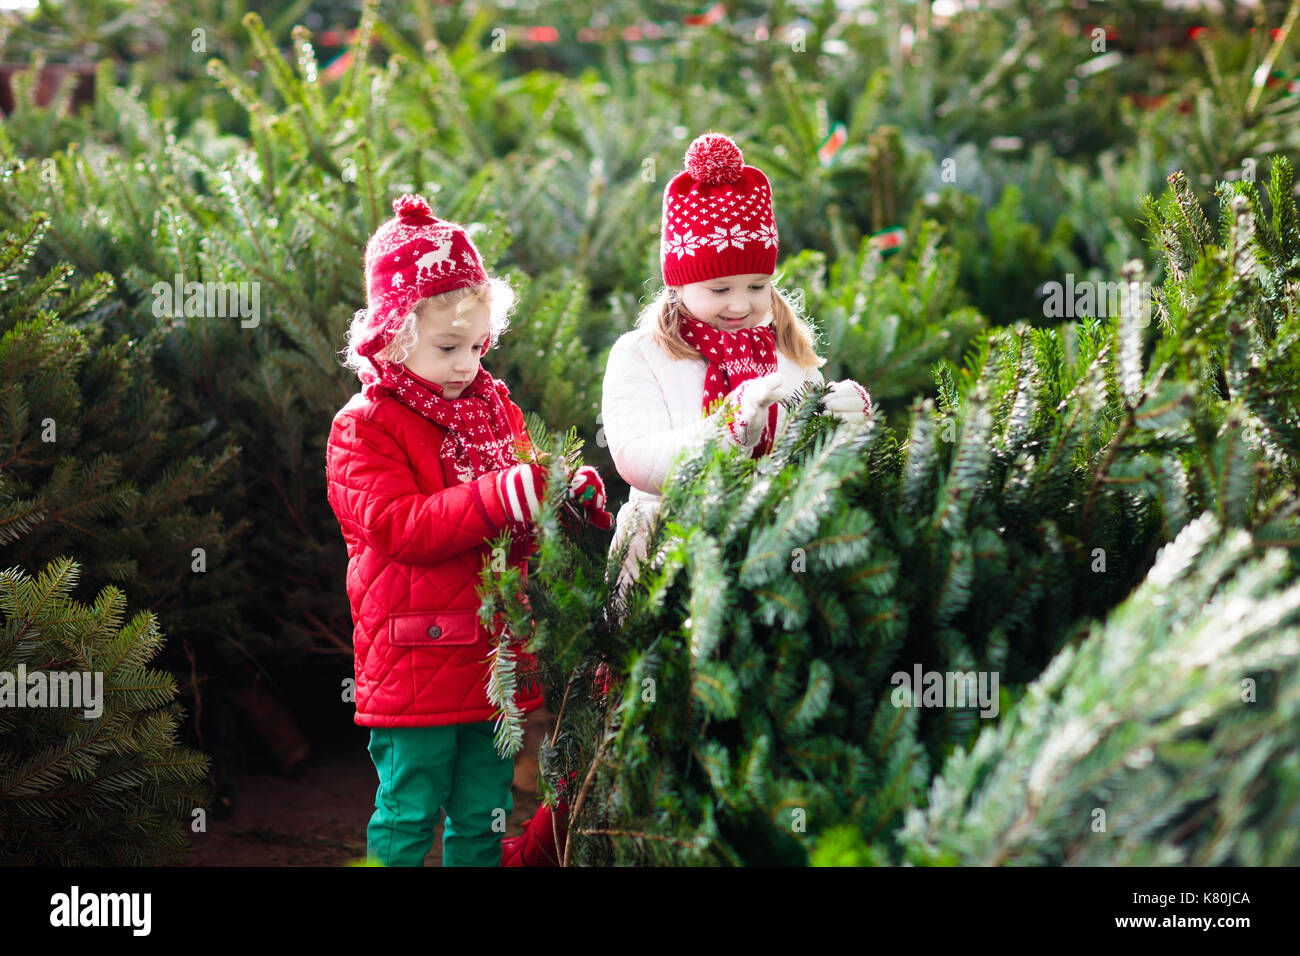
x: 847, y: 401
x: 744, y: 410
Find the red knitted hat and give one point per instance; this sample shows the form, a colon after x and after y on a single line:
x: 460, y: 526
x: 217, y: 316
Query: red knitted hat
x: 411, y: 257
x: 717, y: 216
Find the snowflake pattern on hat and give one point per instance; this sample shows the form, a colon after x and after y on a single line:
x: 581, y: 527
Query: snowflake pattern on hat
x: 717, y: 216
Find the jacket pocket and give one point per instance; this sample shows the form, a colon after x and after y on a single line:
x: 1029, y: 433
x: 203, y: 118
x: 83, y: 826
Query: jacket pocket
x: 433, y: 628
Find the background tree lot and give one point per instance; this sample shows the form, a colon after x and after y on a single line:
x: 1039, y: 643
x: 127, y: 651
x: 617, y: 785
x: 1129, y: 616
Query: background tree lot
x: 961, y: 530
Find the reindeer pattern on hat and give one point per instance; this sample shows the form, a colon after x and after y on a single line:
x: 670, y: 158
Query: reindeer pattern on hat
x: 411, y: 257
x: 438, y: 257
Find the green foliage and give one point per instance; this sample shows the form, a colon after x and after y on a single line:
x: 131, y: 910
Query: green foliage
x: 1004, y: 259
x: 80, y: 788
x: 749, y: 724
x: 1167, y: 737
x: 843, y: 846
x: 99, y: 465
x: 1238, y: 107
x: 1035, y: 470
x: 292, y: 220
x: 751, y: 719
x: 501, y: 582
x: 882, y: 323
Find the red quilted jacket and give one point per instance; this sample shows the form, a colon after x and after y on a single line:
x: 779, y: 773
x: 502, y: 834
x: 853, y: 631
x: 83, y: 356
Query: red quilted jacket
x: 415, y: 548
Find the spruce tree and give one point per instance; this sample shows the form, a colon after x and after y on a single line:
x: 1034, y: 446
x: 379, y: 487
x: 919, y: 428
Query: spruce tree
x: 752, y: 715
x: 1169, y: 736
x: 100, y: 471
x: 886, y: 322
x: 97, y: 465
x: 90, y: 776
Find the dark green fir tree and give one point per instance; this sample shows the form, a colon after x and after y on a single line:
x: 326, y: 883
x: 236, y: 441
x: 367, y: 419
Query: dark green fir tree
x: 756, y: 715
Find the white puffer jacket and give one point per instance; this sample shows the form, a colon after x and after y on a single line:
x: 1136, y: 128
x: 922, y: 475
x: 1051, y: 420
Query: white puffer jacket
x: 651, y: 413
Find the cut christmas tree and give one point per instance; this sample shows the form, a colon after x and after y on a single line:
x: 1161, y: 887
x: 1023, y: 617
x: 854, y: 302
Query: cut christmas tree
x: 757, y: 707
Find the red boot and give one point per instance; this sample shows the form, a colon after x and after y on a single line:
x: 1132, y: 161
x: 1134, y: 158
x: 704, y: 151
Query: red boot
x: 600, y: 684
x: 536, y: 845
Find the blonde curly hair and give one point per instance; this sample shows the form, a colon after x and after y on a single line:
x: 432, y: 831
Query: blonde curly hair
x: 496, y: 293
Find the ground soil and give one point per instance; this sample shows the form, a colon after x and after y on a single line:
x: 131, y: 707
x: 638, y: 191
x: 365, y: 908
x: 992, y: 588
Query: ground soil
x: 317, y: 815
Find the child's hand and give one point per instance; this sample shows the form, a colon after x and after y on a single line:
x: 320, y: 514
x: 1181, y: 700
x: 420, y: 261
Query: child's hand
x: 589, y: 491
x: 522, y: 489
x: 847, y: 401
x: 745, y: 408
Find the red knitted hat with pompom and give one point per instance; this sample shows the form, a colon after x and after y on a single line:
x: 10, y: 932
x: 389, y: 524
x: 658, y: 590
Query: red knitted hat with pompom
x: 410, y: 257
x: 717, y: 216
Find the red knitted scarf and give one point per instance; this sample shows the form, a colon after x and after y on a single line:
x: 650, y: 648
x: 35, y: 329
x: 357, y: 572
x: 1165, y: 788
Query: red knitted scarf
x: 734, y: 357
x: 478, y: 438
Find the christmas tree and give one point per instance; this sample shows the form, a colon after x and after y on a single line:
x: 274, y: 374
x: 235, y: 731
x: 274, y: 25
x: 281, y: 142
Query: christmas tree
x: 1031, y: 476
x: 756, y: 707
x: 1167, y: 737
x: 92, y: 774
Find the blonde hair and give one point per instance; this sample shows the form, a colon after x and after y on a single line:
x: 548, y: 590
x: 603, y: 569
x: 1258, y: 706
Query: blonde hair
x: 496, y: 293
x: 794, y: 334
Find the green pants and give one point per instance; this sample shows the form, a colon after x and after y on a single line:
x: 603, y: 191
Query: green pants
x: 425, y: 770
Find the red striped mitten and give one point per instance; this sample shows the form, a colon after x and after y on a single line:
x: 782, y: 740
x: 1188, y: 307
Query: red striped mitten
x: 522, y: 488
x: 847, y: 401
x: 589, y: 491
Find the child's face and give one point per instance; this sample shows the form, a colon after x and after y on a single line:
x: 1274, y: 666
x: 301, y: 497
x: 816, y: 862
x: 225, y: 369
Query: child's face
x: 449, y: 346
x: 730, y: 303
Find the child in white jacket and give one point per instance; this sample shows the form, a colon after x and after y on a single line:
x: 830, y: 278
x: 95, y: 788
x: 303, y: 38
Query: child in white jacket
x: 720, y: 346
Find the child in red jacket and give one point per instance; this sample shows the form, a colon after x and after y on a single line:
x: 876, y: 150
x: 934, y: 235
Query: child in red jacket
x: 425, y: 466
